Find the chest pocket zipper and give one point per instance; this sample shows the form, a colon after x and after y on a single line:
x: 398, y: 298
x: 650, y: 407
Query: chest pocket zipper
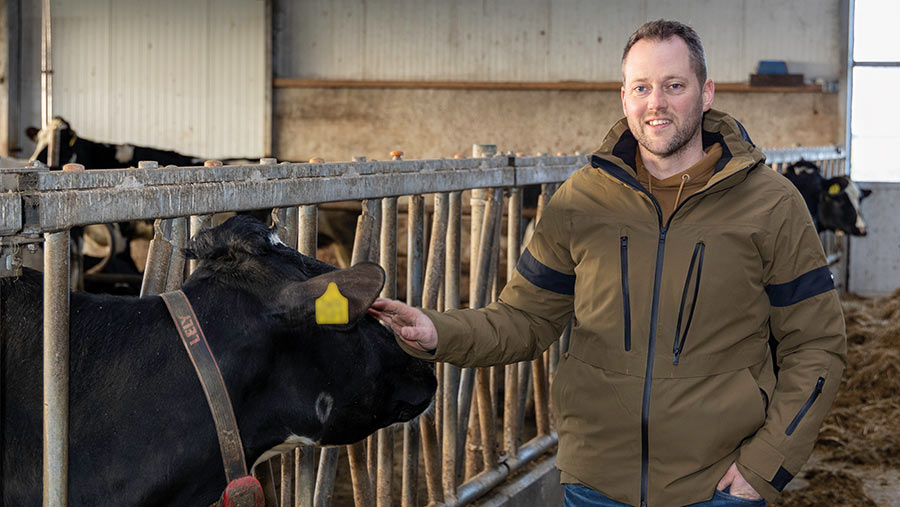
x: 681, y: 337
x: 626, y: 300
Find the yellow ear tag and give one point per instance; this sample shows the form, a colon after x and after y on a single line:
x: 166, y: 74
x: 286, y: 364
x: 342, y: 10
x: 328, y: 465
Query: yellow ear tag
x: 834, y: 189
x: 331, y: 307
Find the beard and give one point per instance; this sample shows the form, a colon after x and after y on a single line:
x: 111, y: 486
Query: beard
x: 684, y: 132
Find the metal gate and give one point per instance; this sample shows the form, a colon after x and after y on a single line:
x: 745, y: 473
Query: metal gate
x: 479, y: 432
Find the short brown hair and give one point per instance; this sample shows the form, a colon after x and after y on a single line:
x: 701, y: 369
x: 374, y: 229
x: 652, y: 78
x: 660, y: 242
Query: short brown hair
x: 661, y: 30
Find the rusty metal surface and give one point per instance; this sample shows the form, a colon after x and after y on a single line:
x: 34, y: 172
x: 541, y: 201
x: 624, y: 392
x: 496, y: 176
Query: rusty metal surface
x: 56, y: 368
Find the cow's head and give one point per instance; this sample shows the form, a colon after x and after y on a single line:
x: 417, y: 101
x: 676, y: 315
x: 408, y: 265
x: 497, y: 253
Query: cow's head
x: 41, y: 138
x: 329, y: 383
x: 839, y: 206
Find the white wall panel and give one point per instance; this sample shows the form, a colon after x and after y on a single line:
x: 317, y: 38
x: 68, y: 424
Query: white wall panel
x: 874, y: 270
x: 540, y: 40
x: 184, y: 75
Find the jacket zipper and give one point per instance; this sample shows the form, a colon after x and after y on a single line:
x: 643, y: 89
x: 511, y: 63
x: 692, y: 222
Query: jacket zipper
x: 805, y: 408
x: 648, y: 375
x: 626, y: 300
x: 696, y: 258
x: 654, y: 315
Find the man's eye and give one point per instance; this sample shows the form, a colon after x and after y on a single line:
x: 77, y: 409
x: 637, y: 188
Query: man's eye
x: 640, y: 89
x: 676, y: 86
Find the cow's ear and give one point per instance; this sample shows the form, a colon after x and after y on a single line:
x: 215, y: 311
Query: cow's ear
x: 334, y: 299
x: 32, y: 133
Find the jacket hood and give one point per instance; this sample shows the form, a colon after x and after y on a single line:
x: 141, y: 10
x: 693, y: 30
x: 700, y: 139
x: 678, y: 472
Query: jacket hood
x: 616, y: 154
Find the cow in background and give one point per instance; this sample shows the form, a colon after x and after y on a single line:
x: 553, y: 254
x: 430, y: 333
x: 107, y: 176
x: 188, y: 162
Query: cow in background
x: 140, y: 430
x: 112, y: 251
x: 94, y: 155
x: 834, y: 203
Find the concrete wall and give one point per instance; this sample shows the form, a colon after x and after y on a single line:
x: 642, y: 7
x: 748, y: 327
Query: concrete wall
x: 338, y: 124
x: 875, y: 258
x: 522, y: 41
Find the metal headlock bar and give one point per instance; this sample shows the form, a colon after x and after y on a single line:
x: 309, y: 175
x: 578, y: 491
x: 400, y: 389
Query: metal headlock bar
x: 472, y: 440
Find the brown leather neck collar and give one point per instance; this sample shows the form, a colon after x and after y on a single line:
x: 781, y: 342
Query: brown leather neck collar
x: 211, y: 379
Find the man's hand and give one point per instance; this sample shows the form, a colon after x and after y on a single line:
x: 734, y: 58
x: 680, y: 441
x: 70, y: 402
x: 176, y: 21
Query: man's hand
x: 409, y: 323
x: 739, y: 487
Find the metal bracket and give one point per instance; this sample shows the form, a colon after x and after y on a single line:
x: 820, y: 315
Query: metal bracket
x: 11, y: 253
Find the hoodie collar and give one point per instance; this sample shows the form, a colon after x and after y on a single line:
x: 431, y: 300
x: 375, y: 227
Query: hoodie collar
x: 616, y: 154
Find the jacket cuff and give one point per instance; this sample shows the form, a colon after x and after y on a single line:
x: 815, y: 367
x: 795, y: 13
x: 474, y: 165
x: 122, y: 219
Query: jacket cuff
x: 762, y: 467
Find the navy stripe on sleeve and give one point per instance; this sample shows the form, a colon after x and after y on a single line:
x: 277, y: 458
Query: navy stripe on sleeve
x: 544, y: 277
x: 807, y: 285
x: 781, y: 479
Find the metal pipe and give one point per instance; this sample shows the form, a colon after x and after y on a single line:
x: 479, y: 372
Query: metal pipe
x: 385, y: 474
x: 388, y: 250
x: 46, y: 69
x: 175, y: 274
x: 436, y: 252
x: 410, y: 464
x: 328, y: 461
x: 415, y: 247
x: 157, y: 267
x: 286, y: 491
x: 449, y: 430
x: 56, y: 369
x: 485, y: 481
x: 306, y: 481
x: 359, y: 475
x: 431, y: 457
x: 308, y: 230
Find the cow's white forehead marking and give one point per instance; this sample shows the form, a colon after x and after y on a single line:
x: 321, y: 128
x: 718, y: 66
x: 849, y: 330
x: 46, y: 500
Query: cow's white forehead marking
x: 124, y: 153
x: 323, y: 406
x: 853, y: 193
x: 43, y: 137
x: 274, y: 239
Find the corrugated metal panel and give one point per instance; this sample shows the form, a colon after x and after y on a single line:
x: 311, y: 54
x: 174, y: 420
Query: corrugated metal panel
x: 540, y: 40
x: 182, y: 75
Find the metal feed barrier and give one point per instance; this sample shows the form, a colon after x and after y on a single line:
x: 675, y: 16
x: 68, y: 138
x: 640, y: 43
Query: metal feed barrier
x: 467, y: 449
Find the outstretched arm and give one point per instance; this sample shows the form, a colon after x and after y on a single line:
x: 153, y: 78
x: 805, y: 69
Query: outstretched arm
x: 410, y: 324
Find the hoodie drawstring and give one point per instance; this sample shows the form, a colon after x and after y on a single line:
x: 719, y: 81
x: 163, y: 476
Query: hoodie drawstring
x: 684, y: 179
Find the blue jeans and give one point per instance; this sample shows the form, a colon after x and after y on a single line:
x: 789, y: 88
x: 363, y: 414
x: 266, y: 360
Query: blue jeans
x: 583, y: 496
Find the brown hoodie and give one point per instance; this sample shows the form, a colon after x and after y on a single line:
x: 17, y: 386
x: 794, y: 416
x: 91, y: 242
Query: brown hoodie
x: 669, y: 377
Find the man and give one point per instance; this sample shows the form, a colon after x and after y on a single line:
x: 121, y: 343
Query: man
x: 680, y: 254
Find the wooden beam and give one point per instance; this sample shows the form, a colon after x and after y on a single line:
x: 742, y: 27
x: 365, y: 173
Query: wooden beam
x: 515, y: 86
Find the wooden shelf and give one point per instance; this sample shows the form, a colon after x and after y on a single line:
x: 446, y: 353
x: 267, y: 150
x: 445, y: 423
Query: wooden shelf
x: 520, y: 86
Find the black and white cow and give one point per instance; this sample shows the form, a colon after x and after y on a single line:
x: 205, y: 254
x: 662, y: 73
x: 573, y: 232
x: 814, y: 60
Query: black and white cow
x: 834, y: 203
x: 140, y: 429
x: 94, y: 155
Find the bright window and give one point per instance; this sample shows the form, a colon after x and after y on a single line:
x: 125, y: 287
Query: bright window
x: 876, y: 78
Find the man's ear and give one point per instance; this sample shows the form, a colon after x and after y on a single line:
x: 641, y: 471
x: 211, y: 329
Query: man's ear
x: 708, y: 91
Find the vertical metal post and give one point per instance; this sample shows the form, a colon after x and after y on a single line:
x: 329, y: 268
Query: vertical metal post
x: 415, y: 271
x: 56, y: 369
x: 308, y: 230
x: 328, y: 461
x: 175, y: 275
x: 511, y: 395
x: 388, y: 261
x: 433, y: 276
x: 306, y: 467
x: 46, y: 70
x: 450, y: 412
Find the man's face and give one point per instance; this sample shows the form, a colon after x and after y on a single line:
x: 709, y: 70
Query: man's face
x: 662, y: 97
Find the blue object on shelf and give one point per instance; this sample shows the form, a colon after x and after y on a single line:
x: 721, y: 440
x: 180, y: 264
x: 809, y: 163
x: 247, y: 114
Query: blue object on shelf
x: 772, y: 67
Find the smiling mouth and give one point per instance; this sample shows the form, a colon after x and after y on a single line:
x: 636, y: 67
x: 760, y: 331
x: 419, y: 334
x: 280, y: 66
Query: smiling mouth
x: 658, y: 123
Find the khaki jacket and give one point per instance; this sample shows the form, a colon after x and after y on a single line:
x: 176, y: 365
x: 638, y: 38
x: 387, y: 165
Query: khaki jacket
x: 669, y: 376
